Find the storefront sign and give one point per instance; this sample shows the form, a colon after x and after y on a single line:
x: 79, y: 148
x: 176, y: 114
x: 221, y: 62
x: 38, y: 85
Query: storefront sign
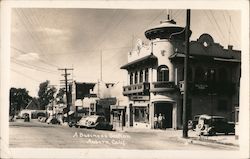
x: 139, y: 98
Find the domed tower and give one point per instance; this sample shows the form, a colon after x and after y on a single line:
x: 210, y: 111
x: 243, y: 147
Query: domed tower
x: 163, y: 38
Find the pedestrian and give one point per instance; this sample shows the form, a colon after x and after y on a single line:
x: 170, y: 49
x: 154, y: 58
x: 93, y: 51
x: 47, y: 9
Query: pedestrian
x: 160, y: 121
x: 163, y: 121
x: 155, y: 122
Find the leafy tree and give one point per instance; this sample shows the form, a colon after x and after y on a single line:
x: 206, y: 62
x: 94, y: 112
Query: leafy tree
x: 19, y: 99
x: 45, y: 94
x: 60, y: 96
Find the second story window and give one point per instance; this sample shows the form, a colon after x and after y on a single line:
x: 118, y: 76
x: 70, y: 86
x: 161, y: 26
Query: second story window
x: 199, y: 74
x: 146, y: 75
x: 136, y: 77
x: 223, y: 76
x: 210, y: 75
x: 163, y: 73
x: 141, y: 77
x: 131, y: 78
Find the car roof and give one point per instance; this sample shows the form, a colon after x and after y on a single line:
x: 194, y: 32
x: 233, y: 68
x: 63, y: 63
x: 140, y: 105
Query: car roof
x: 209, y: 116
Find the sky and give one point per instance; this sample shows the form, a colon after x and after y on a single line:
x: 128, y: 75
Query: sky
x: 43, y: 40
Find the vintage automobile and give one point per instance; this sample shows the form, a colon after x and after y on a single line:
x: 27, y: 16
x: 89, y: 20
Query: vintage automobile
x: 52, y: 120
x: 81, y: 123
x: 73, y: 121
x: 210, y: 125
x: 95, y: 122
x: 192, y: 123
x: 98, y: 122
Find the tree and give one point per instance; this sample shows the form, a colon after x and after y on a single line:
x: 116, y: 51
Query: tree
x: 19, y: 99
x: 45, y: 94
x: 60, y: 96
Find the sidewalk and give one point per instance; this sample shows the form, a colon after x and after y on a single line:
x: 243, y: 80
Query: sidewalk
x: 192, y: 137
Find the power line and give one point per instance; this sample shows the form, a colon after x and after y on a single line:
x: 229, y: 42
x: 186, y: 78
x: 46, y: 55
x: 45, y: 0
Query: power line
x: 24, y: 75
x: 32, y: 67
x: 23, y: 52
x: 35, y: 38
x: 212, y: 23
x: 217, y: 24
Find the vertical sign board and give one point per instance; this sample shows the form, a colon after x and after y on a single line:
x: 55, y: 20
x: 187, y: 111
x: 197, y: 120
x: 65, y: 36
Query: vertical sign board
x: 83, y: 89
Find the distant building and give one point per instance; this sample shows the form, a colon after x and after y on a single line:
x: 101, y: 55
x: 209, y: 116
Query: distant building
x: 33, y: 109
x: 155, y: 74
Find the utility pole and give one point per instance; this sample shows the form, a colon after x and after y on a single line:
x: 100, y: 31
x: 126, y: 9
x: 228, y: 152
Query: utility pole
x: 185, y: 96
x: 66, y: 74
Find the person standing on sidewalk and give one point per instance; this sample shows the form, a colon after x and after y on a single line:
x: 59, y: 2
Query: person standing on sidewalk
x: 155, y: 122
x: 160, y: 121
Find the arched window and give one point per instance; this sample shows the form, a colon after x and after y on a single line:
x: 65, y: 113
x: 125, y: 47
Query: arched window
x: 141, y: 76
x: 136, y: 77
x: 131, y: 78
x: 223, y: 76
x: 199, y: 74
x: 146, y: 75
x: 163, y: 73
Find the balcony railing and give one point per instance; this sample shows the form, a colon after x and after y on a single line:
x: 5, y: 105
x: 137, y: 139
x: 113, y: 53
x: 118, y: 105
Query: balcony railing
x: 227, y: 88
x: 140, y: 88
x: 163, y: 86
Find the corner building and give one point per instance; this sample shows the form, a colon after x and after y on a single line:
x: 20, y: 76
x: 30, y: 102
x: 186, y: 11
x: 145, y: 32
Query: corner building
x: 155, y: 74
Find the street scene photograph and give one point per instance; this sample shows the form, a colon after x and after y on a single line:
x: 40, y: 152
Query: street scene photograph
x: 133, y: 79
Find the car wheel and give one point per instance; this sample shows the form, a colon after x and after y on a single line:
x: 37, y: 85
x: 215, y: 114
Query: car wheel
x: 212, y: 133
x: 226, y: 133
x: 76, y: 126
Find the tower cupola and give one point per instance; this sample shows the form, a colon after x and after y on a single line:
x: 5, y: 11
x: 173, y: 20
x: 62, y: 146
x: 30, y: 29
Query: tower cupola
x: 166, y: 30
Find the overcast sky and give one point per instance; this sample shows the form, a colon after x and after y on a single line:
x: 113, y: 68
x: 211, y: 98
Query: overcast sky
x: 43, y: 40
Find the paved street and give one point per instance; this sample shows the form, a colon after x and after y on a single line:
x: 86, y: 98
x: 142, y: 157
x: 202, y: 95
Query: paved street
x: 41, y: 135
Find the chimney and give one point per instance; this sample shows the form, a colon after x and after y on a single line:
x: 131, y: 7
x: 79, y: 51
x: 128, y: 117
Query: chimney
x: 230, y: 47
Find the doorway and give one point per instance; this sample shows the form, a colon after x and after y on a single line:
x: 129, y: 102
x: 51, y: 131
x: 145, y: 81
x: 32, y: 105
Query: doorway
x: 166, y: 110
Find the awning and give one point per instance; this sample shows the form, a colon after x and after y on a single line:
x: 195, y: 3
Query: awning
x: 226, y: 60
x: 147, y: 59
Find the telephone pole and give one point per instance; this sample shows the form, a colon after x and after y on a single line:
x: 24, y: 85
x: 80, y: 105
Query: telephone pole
x: 66, y: 74
x: 185, y: 96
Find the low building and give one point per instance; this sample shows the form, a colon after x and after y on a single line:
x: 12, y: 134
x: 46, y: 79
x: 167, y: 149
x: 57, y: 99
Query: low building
x: 155, y: 74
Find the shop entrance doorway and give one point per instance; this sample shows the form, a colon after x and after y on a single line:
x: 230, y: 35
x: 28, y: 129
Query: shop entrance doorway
x: 166, y: 110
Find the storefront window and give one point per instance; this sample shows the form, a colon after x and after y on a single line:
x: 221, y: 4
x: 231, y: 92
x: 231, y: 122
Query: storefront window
x: 141, y: 114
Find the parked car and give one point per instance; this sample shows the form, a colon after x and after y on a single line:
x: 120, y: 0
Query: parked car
x: 52, y: 120
x: 98, y: 122
x: 210, y: 125
x: 192, y: 123
x: 82, y: 123
x: 73, y: 121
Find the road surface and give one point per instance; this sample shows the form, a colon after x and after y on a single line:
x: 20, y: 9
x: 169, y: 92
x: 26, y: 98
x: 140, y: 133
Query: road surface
x: 41, y: 135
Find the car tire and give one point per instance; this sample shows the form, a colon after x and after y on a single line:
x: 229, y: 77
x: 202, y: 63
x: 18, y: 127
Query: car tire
x: 212, y: 133
x: 76, y: 126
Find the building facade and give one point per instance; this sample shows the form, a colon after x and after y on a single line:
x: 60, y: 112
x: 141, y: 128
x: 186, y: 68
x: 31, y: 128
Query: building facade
x: 155, y: 75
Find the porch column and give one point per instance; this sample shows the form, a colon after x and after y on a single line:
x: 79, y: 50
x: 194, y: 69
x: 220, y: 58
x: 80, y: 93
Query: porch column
x: 151, y: 114
x: 174, y: 117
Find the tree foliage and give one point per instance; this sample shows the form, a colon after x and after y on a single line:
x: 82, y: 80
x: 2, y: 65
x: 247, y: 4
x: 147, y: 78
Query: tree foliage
x: 60, y: 96
x: 19, y: 99
x: 45, y: 94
